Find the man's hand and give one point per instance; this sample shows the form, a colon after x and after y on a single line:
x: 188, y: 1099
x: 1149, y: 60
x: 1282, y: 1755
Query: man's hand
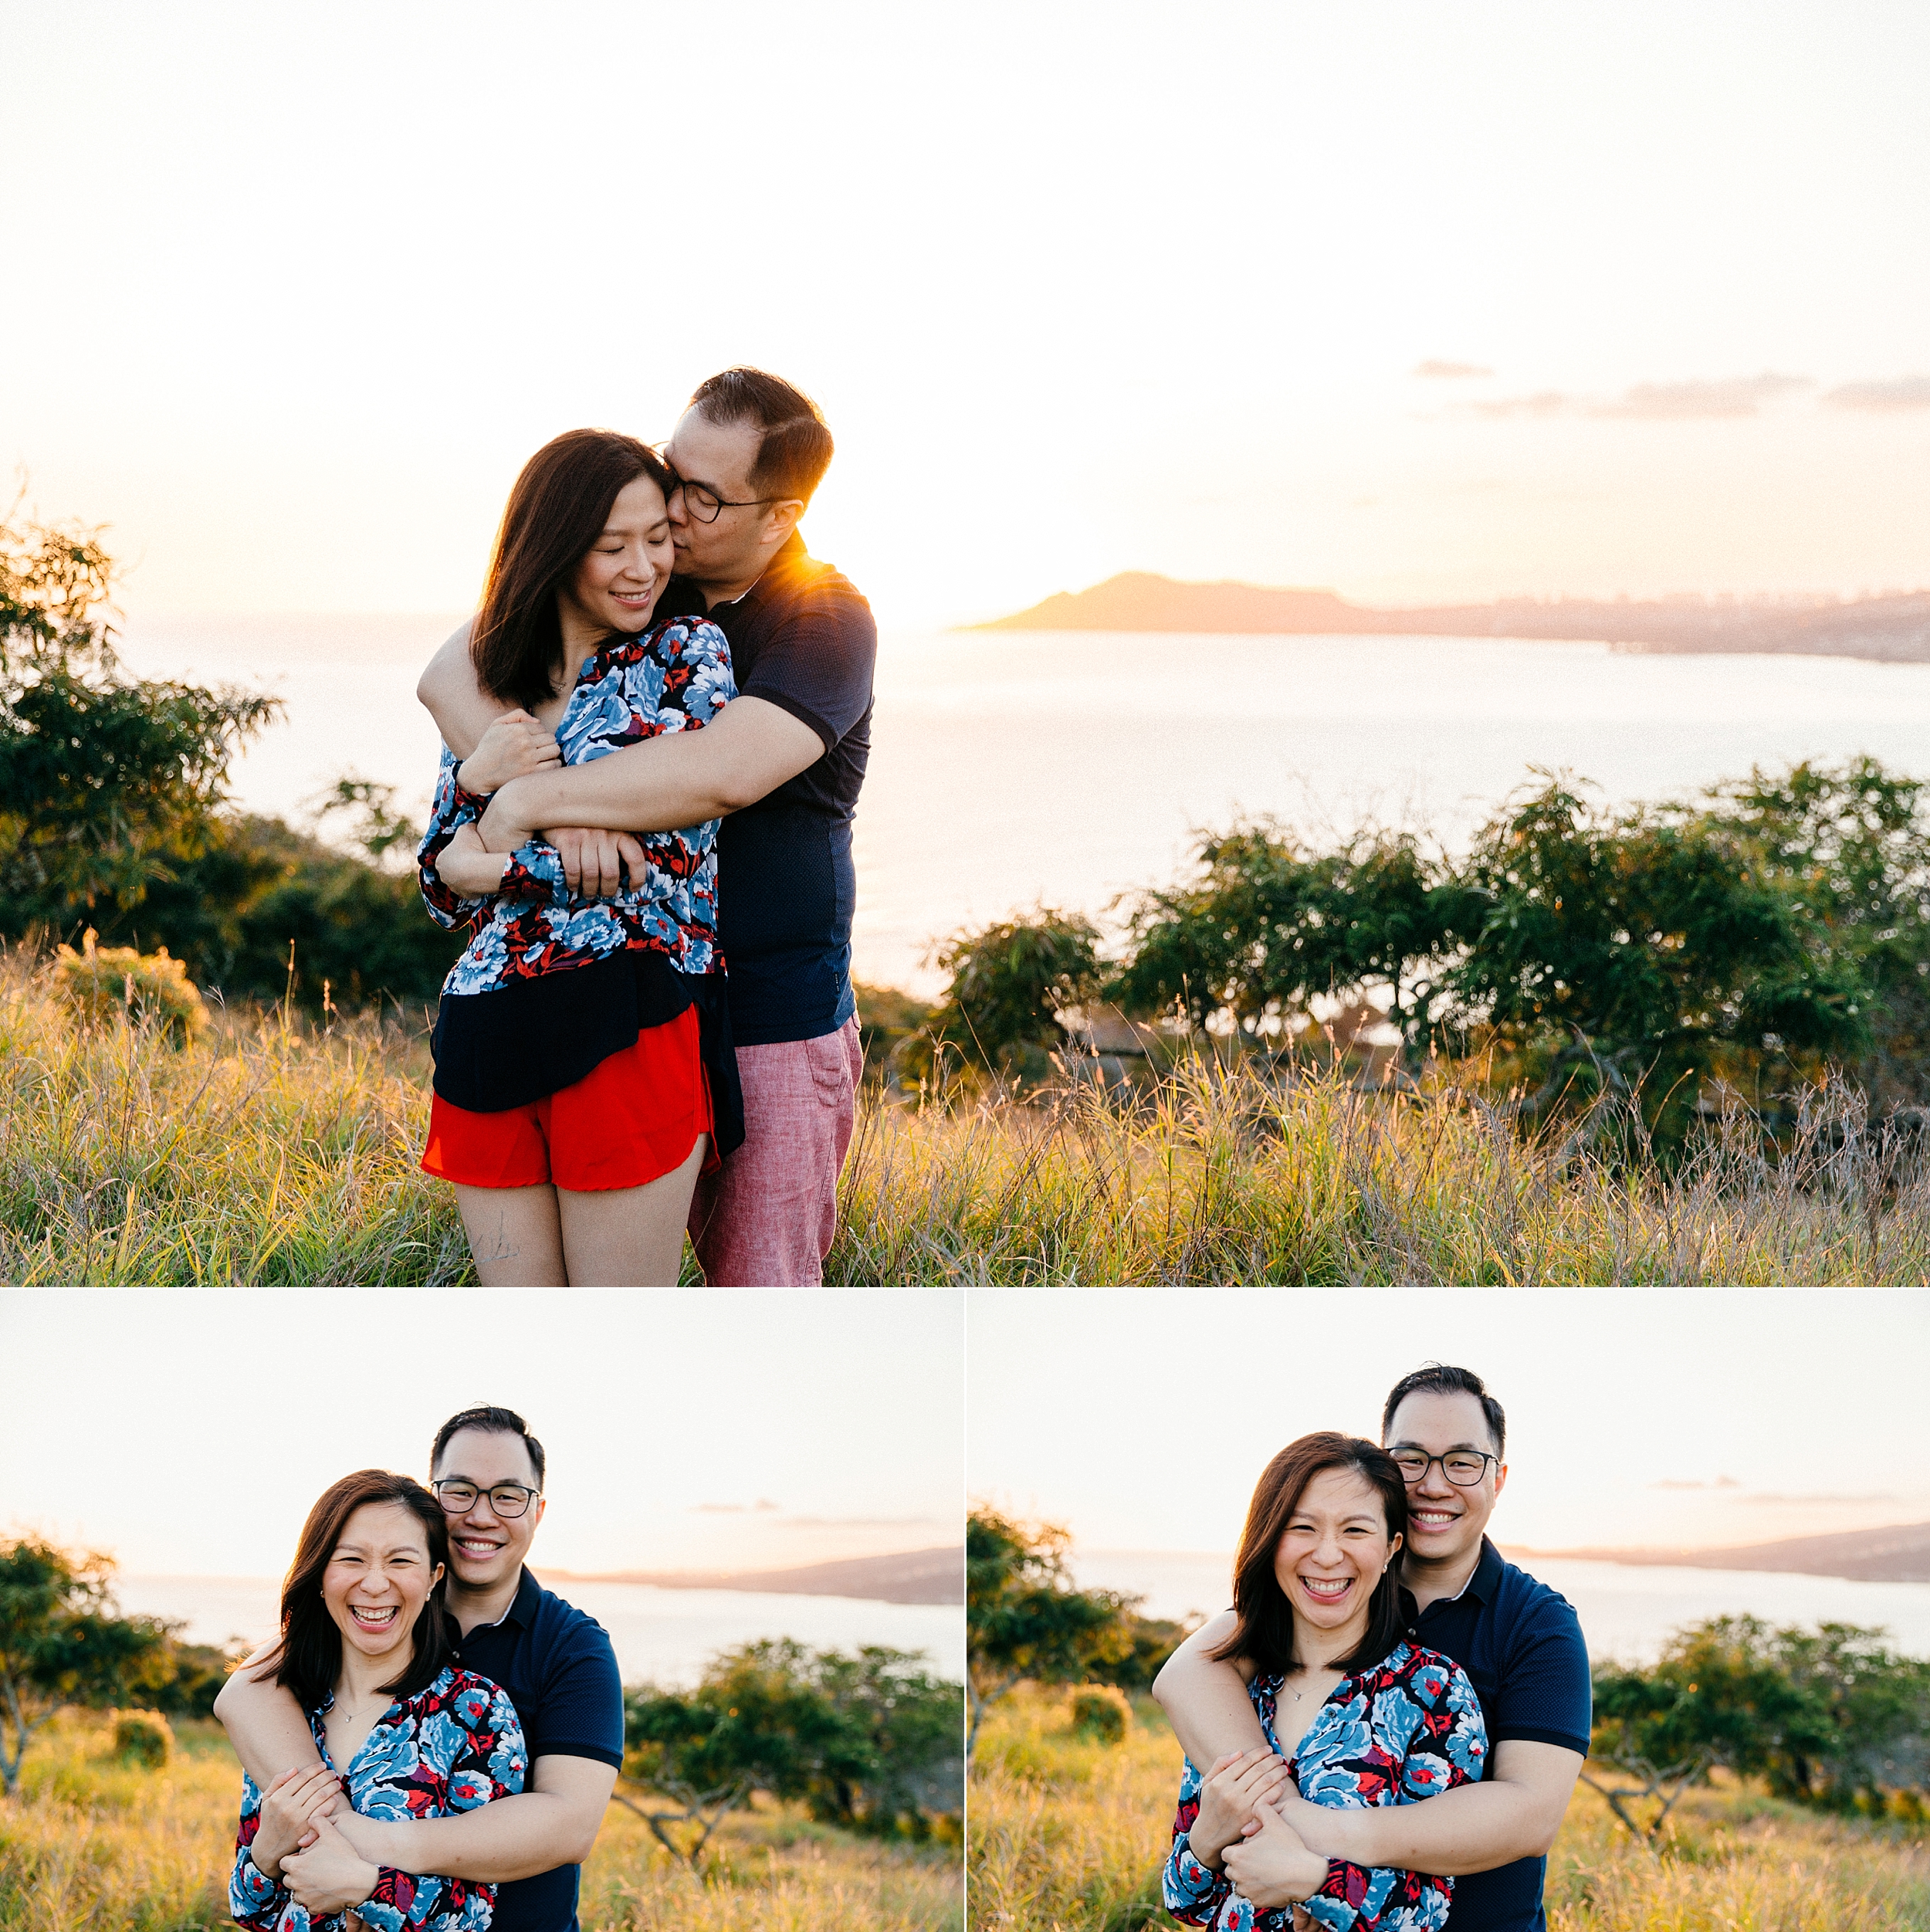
x: 507, y: 821
x: 514, y: 745
x: 1233, y: 1790
x: 329, y: 1877
x: 1321, y: 1828
x: 593, y: 860
x: 1273, y: 1868
x: 465, y: 867
x: 289, y: 1807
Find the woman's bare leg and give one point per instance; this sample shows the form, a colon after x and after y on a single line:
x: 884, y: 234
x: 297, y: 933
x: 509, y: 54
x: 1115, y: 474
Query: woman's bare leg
x: 515, y: 1234
x: 630, y: 1237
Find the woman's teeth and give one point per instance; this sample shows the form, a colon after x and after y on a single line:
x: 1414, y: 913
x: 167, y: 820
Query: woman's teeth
x: 1322, y: 1587
x: 374, y: 1619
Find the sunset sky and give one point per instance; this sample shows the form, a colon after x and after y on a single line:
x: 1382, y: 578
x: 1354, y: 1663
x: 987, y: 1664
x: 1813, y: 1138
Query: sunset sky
x: 1417, y: 301
x: 189, y: 1433
x: 1668, y: 1418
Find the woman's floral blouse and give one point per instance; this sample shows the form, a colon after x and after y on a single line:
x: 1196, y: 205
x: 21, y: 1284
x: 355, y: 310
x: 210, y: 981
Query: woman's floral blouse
x: 1408, y: 1728
x: 449, y: 1748
x: 674, y: 677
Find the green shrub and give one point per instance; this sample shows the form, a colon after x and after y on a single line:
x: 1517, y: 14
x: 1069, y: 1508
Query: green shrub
x: 1101, y: 1713
x: 100, y: 984
x: 143, y: 1737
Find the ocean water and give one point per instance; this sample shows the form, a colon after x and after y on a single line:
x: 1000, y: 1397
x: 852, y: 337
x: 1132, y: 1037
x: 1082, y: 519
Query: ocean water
x: 1627, y: 1611
x: 660, y: 1636
x: 1013, y: 768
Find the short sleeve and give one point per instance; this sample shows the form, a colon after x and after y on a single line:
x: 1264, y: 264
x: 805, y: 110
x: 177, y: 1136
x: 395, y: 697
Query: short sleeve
x: 818, y: 664
x: 579, y: 1714
x: 1544, y: 1695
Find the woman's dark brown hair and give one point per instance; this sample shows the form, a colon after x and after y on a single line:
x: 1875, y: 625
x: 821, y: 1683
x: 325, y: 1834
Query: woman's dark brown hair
x: 309, y: 1658
x: 1264, y: 1631
x: 556, y: 511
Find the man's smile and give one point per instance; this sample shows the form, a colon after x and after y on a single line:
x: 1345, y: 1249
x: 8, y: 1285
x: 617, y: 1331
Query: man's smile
x: 1422, y: 1517
x: 477, y: 1546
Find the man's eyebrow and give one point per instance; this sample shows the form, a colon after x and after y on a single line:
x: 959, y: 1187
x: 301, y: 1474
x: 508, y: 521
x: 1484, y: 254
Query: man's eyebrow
x: 1454, y: 1449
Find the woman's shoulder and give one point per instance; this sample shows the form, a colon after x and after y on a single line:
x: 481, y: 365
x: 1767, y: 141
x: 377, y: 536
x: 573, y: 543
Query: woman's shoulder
x: 469, y: 1696
x: 1426, y: 1676
x: 689, y: 634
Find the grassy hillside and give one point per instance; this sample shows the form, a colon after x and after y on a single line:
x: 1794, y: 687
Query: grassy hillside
x: 1067, y: 1836
x: 92, y: 1842
x: 270, y: 1151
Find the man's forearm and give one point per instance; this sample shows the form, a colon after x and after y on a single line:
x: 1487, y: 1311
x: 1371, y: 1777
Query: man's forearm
x: 510, y: 1838
x: 661, y: 786
x: 1206, y: 1700
x: 265, y: 1726
x: 1473, y: 1828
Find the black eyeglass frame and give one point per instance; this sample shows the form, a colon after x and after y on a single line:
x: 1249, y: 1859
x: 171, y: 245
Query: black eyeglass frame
x: 528, y: 1495
x: 1394, y: 1455
x: 722, y: 503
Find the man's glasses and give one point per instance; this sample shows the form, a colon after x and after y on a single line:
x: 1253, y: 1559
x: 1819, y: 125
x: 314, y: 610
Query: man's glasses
x: 507, y: 1499
x: 1464, y: 1467
x: 703, y: 502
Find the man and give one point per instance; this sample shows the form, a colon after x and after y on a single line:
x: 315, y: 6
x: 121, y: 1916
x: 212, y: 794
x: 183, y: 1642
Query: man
x: 1520, y: 1643
x: 783, y: 766
x: 487, y: 1470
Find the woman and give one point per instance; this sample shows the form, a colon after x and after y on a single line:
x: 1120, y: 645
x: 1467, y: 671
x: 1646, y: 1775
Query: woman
x: 583, y: 1066
x: 407, y: 1734
x: 1362, y: 1717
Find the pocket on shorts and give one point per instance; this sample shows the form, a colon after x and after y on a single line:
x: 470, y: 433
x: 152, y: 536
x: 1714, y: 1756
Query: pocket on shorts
x: 830, y: 1068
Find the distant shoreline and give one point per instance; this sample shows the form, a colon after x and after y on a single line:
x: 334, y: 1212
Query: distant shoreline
x: 1900, y: 1554
x: 1886, y: 629
x: 912, y: 1576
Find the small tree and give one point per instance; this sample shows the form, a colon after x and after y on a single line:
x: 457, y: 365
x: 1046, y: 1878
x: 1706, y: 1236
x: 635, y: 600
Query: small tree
x: 1010, y: 982
x: 865, y: 1740
x: 1023, y: 1620
x: 61, y: 1642
x: 106, y: 782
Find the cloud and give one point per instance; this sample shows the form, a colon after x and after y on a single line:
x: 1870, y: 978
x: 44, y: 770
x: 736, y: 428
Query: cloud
x: 861, y: 1522
x: 1898, y: 393
x: 1874, y: 1495
x: 1549, y: 402
x: 1701, y: 399
x: 1721, y: 1483
x: 732, y: 1509
x: 1435, y: 368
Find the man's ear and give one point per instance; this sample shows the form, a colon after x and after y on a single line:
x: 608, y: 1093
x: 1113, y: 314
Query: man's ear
x: 1501, y: 1477
x: 780, y: 519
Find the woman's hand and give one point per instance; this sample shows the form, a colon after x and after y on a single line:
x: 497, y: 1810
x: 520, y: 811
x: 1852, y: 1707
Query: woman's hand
x: 290, y: 1807
x: 330, y: 1877
x: 514, y: 745
x: 1233, y: 1790
x: 465, y: 867
x: 1272, y: 1869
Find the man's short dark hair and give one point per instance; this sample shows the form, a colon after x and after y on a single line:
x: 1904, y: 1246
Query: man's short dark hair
x: 491, y: 1422
x: 1438, y: 1379
x: 796, y: 447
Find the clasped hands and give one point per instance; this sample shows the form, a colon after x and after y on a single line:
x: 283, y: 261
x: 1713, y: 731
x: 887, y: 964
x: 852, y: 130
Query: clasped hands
x: 298, y: 1841
x: 1240, y: 1830
x: 515, y: 746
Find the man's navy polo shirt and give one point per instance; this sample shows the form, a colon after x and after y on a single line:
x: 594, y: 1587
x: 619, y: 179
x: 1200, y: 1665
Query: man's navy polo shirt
x: 561, y: 1674
x: 802, y: 638
x: 1521, y: 1645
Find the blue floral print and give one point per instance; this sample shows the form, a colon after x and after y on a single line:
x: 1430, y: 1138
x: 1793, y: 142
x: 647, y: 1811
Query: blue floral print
x: 674, y: 677
x: 451, y: 1747
x: 1408, y: 1728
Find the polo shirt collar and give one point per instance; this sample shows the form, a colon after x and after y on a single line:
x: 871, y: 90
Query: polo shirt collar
x: 1481, y: 1586
x: 522, y: 1609
x: 790, y: 553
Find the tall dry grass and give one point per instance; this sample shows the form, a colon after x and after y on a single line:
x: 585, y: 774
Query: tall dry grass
x: 265, y: 1150
x: 91, y: 1843
x: 1220, y: 1175
x: 1067, y: 1836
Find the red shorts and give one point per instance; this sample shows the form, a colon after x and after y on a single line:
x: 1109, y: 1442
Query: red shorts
x: 632, y: 1119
